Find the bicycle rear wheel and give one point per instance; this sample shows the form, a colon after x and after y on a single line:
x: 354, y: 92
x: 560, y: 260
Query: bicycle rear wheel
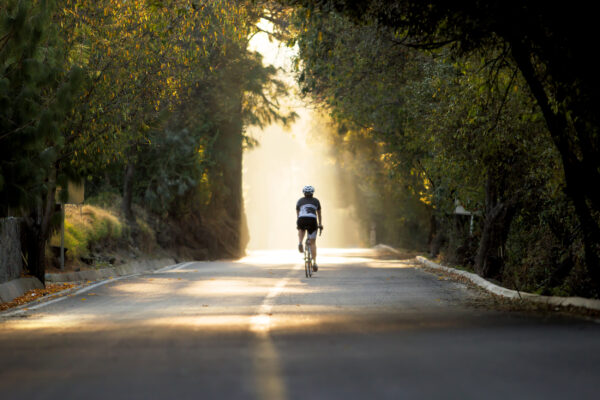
x: 307, y: 268
x: 307, y: 261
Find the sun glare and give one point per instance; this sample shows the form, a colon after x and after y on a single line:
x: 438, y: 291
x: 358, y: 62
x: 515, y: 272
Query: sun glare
x: 285, y: 161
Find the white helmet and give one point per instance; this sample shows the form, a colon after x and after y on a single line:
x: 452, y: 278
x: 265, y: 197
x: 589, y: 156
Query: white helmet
x: 308, y: 189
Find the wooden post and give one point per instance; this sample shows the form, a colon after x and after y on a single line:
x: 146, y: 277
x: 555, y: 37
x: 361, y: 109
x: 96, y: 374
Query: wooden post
x: 62, y: 237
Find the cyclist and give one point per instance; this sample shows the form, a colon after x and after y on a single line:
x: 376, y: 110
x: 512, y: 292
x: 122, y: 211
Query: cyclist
x: 308, y: 211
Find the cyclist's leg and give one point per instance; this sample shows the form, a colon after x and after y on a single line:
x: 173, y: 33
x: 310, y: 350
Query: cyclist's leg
x: 300, y: 238
x: 313, y: 245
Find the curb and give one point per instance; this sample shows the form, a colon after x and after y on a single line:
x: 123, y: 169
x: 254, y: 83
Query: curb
x: 82, y: 287
x: 17, y: 287
x: 591, y: 304
x: 105, y: 273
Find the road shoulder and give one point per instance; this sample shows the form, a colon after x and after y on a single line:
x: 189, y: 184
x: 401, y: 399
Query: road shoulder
x: 578, y: 304
x: 17, y: 288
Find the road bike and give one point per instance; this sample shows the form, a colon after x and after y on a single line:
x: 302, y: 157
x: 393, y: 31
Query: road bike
x: 309, y: 261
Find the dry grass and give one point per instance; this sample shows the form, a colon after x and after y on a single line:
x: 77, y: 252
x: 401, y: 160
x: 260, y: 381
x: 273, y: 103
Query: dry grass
x: 86, y: 225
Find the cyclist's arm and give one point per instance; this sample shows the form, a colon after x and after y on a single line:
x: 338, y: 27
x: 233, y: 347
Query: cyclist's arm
x: 320, y: 219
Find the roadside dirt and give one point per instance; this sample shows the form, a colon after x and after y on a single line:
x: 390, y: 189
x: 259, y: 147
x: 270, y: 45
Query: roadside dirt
x: 491, y: 301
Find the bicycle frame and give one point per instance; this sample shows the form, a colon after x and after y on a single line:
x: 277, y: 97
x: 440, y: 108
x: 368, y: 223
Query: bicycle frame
x: 308, y: 258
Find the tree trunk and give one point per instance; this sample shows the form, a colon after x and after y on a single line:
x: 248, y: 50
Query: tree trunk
x: 578, y: 178
x: 33, y: 247
x: 436, y: 236
x: 230, y: 239
x: 38, y: 228
x: 128, y: 192
x: 489, y: 261
x: 432, y: 229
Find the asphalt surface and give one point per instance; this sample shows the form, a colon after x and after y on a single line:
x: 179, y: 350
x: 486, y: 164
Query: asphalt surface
x: 361, y: 328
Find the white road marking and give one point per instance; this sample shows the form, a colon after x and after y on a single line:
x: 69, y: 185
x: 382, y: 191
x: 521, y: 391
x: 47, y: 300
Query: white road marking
x: 175, y: 267
x: 261, y: 323
x: 267, y: 368
x: 26, y: 308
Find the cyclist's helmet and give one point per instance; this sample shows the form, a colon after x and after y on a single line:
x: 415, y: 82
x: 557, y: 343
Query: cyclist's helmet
x: 308, y: 190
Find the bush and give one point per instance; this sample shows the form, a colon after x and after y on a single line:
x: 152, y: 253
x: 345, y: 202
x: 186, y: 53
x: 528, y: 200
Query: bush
x: 545, y: 252
x: 86, y: 227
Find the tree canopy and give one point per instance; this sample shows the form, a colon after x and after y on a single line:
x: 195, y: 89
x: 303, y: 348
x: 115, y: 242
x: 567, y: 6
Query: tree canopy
x: 149, y: 99
x: 442, y: 87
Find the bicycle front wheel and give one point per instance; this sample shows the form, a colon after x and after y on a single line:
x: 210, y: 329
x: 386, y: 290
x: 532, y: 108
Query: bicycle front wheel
x: 308, y: 263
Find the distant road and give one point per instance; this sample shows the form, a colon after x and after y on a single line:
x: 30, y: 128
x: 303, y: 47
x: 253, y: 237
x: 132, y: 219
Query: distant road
x: 362, y: 328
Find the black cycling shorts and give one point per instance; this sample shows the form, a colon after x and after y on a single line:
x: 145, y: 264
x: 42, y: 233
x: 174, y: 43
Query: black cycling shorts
x: 307, y: 224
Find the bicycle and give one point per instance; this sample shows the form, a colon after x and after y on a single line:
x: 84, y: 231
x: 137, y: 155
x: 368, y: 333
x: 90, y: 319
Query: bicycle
x: 309, y: 262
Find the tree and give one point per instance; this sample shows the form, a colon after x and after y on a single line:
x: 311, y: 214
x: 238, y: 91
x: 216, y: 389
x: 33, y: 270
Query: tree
x: 92, y: 86
x: 164, y: 74
x: 544, y: 42
x: 366, y: 93
x: 448, y: 130
x: 36, y: 96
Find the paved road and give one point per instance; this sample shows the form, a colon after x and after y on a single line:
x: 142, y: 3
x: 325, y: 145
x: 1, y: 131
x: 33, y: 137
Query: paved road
x: 362, y: 328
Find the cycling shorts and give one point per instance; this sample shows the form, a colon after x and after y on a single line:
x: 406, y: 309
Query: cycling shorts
x: 308, y: 224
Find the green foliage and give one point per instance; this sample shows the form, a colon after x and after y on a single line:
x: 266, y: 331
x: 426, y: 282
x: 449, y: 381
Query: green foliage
x: 425, y: 130
x: 493, y: 135
x: 158, y: 97
x: 36, y: 95
x: 90, y: 88
x: 366, y: 92
x: 170, y: 89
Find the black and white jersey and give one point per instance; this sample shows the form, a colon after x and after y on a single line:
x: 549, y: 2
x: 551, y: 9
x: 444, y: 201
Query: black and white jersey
x: 308, y: 207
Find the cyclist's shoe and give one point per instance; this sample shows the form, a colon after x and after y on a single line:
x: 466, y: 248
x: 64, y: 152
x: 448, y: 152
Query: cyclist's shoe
x: 315, y: 268
x: 300, y: 248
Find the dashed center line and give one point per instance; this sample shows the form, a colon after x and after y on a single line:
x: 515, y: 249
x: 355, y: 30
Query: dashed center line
x: 267, y: 369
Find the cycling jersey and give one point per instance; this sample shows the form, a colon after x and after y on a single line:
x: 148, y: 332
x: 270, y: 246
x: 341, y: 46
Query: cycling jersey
x: 308, y: 207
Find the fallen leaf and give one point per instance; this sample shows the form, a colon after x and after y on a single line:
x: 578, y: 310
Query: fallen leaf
x: 35, y: 294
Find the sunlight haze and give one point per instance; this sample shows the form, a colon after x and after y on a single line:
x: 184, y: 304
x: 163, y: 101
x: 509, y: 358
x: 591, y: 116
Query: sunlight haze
x: 284, y: 162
